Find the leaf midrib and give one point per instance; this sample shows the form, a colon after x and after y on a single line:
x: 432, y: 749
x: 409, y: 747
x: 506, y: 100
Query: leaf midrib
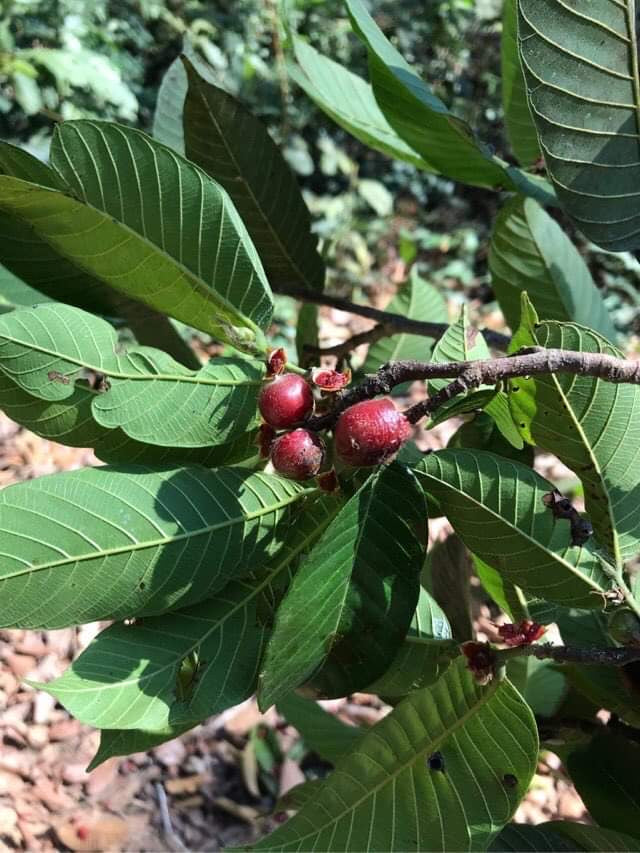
x: 140, y: 377
x: 165, y: 540
x: 631, y: 28
x: 337, y: 612
x: 587, y: 445
x: 227, y: 615
x: 431, y: 746
x: 519, y: 530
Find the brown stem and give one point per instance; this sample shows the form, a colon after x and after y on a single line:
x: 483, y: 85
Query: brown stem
x: 607, y: 656
x: 382, y: 330
x: 395, y: 321
x: 467, y: 375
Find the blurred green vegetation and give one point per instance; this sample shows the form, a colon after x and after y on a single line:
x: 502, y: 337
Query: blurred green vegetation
x: 106, y: 58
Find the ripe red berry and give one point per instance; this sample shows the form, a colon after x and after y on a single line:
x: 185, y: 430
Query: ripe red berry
x: 285, y: 401
x: 297, y: 455
x: 370, y: 433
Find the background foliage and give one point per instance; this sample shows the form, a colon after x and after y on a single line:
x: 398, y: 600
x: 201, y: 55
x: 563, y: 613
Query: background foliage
x: 105, y: 59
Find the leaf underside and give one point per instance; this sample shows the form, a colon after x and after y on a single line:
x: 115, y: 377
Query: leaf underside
x: 581, y: 68
x: 385, y: 796
x: 158, y: 540
x: 496, y: 507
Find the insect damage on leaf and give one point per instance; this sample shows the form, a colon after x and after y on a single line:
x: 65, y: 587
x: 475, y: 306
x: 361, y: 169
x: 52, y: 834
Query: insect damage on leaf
x: 561, y: 507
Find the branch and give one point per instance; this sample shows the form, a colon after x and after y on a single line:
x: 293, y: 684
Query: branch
x: 470, y: 374
x: 607, y: 656
x: 396, y: 322
x: 382, y: 330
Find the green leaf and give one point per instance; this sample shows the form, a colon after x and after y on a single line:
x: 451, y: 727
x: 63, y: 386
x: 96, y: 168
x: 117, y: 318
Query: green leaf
x: 481, y: 432
x: 168, y: 115
x: 235, y: 148
x: 496, y: 508
x: 31, y: 258
x: 521, y: 131
x: 581, y: 69
x: 561, y: 835
x: 542, y: 686
x: 417, y: 300
x: 74, y: 66
x: 446, y: 575
x: 607, y: 687
x: 463, y: 342
x: 424, y: 655
x: 71, y: 422
x: 190, y: 258
x: 385, y: 796
x: 35, y: 260
x: 321, y: 731
x: 506, y: 595
x: 151, y: 397
x: 117, y: 742
x: 15, y: 293
x: 530, y: 252
x: 350, y: 604
x: 109, y: 543
x: 376, y: 195
x: 115, y: 447
x: 27, y: 93
x: 446, y: 142
x: 350, y: 102
x: 19, y: 163
x: 593, y: 427
x: 604, y: 686
x: 607, y: 777
x: 296, y: 797
x: 196, y: 239
x: 127, y: 678
x: 306, y: 333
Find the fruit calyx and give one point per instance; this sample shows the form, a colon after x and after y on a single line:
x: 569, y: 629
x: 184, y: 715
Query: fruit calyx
x: 285, y: 401
x: 329, y: 380
x: 370, y: 432
x: 298, y: 455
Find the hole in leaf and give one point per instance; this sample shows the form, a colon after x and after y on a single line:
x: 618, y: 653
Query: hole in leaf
x: 436, y: 762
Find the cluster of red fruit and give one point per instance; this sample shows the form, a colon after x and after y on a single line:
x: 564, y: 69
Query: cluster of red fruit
x: 366, y: 434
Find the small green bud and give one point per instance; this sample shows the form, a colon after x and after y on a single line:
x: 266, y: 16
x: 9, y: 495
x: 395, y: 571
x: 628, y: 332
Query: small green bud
x: 624, y: 627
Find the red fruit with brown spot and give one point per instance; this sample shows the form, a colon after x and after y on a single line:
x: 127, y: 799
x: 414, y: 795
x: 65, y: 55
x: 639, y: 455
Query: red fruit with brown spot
x: 297, y: 455
x: 285, y: 401
x: 370, y: 432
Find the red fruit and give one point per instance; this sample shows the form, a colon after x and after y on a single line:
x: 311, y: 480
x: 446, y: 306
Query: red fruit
x: 297, y: 455
x: 370, y: 433
x: 285, y: 401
